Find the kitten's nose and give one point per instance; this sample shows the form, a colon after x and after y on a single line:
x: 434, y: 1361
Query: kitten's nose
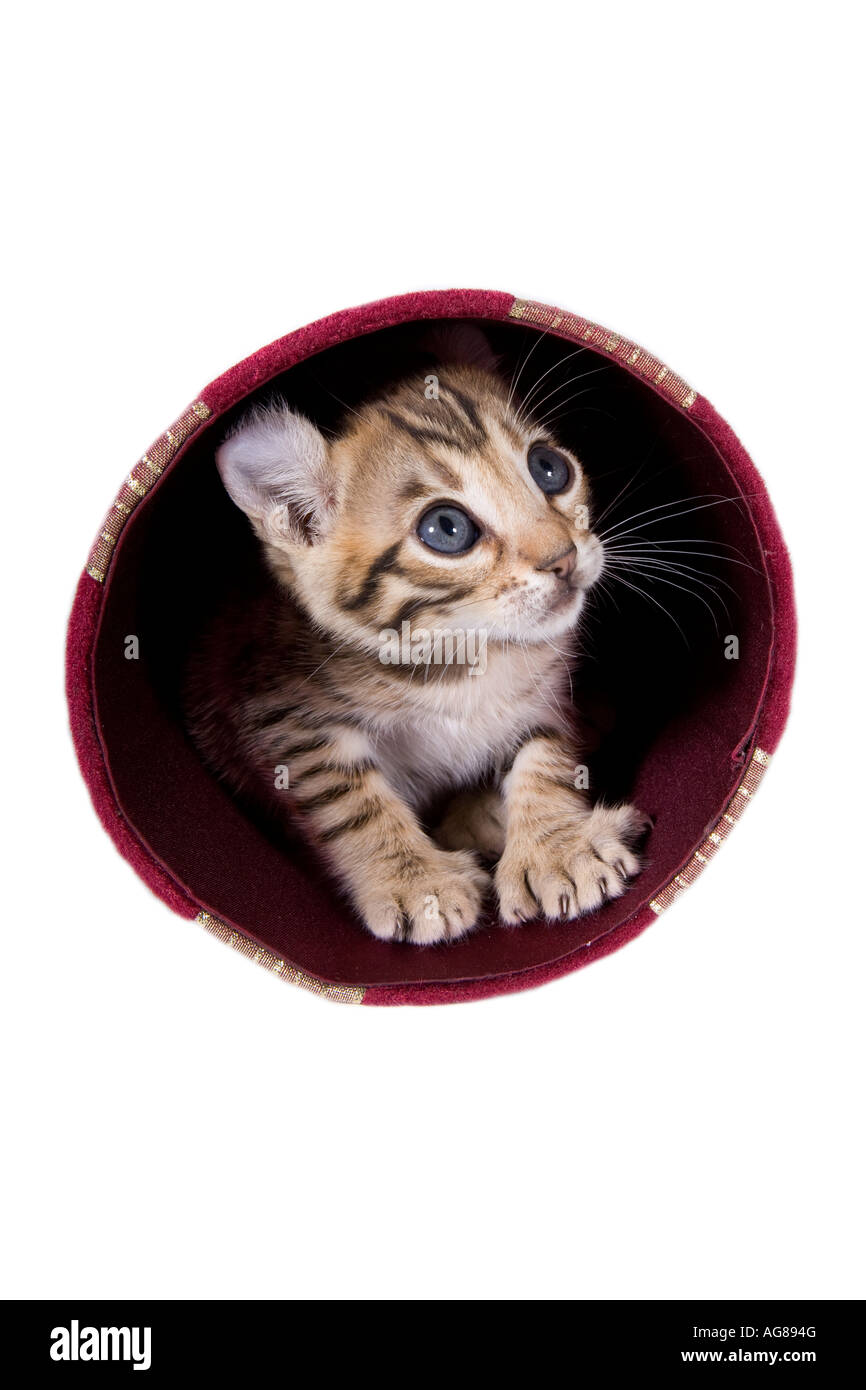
x: 562, y: 565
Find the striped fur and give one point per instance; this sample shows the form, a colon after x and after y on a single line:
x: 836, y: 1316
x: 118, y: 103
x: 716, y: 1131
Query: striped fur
x: 289, y: 701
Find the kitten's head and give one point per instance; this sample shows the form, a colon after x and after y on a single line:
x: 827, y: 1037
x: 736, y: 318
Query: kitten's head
x: 441, y: 503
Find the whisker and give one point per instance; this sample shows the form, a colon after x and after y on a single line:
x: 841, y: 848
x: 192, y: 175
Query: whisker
x: 686, y: 589
x: 628, y: 483
x: 557, y: 414
x: 643, y: 594
x: 337, y: 398
x: 700, y: 554
x: 557, y: 410
x: 717, y: 500
x: 560, y: 362
x: 581, y: 376
x: 661, y: 507
x: 328, y: 658
x: 565, y: 658
x: 515, y: 379
x: 662, y: 560
x: 602, y: 591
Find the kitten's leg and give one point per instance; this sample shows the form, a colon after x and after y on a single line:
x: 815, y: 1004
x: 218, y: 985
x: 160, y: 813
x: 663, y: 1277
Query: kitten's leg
x: 474, y: 820
x: 403, y: 885
x: 562, y: 856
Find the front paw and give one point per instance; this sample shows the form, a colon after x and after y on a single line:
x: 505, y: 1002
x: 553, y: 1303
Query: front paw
x: 571, y: 868
x: 425, y: 899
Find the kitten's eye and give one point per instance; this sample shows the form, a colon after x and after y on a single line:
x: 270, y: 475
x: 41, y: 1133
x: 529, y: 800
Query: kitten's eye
x: 447, y: 529
x: 549, y: 469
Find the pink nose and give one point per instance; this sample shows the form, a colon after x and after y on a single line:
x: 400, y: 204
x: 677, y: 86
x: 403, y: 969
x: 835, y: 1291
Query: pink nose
x: 562, y: 565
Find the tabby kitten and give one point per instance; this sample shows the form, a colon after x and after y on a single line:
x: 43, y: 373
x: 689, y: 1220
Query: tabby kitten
x: 458, y: 515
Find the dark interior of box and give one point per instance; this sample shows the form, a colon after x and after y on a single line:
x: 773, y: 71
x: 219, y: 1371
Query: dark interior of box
x: 668, y: 710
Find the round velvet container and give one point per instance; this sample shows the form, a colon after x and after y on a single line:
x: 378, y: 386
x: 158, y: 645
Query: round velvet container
x: 684, y: 689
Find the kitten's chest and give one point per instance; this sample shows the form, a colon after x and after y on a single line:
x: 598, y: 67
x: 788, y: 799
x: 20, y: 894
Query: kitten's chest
x: 458, y: 739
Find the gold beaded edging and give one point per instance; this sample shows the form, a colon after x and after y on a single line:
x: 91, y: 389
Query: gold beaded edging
x: 623, y: 349
x: 341, y: 994
x: 758, y: 765
x: 139, y: 482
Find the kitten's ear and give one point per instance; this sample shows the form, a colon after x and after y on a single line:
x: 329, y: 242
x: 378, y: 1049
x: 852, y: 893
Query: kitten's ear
x: 461, y: 343
x: 275, y: 467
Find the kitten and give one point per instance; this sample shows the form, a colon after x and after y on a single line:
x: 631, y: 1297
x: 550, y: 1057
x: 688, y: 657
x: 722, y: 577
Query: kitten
x: 456, y: 515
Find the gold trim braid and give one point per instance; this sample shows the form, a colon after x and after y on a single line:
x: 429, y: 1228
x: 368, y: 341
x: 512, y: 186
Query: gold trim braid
x: 758, y: 765
x: 138, y: 484
x: 341, y: 994
x: 623, y: 349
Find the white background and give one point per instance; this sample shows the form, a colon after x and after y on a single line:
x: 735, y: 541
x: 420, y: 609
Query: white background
x: 187, y: 182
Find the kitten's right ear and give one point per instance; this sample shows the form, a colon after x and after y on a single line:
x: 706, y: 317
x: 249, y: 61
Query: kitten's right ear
x: 275, y: 467
x: 460, y: 343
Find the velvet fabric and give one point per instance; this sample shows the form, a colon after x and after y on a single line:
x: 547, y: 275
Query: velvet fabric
x: 675, y: 721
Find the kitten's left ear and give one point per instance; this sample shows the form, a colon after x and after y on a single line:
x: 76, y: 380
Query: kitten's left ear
x: 461, y: 343
x: 276, y: 468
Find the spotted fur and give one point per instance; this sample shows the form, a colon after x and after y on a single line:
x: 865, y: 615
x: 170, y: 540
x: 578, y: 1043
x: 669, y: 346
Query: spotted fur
x: 289, y: 701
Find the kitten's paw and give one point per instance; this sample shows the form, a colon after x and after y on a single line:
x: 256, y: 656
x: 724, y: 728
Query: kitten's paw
x: 437, y: 898
x: 570, y: 869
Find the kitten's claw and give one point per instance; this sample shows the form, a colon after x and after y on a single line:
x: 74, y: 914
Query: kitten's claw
x: 436, y: 899
x: 576, y: 870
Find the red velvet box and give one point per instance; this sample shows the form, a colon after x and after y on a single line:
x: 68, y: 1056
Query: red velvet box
x: 685, y: 729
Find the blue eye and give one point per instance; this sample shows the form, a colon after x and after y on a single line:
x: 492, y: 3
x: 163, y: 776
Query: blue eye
x: 447, y: 529
x: 550, y: 470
